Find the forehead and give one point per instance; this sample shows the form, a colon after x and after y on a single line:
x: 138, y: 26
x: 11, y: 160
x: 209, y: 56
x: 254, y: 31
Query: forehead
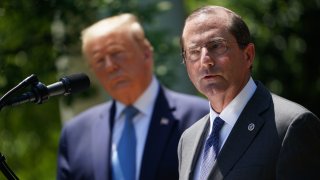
x: 205, y: 26
x: 108, y: 43
x: 110, y: 38
x: 114, y: 36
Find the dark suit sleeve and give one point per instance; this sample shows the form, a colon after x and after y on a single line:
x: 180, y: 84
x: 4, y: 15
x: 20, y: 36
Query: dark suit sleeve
x: 299, y: 157
x: 179, y: 152
x: 63, y: 164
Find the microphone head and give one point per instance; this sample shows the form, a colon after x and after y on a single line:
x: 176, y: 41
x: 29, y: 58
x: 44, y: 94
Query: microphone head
x: 75, y: 83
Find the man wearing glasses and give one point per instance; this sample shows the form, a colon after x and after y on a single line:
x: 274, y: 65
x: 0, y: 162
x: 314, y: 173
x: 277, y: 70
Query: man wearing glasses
x: 249, y: 133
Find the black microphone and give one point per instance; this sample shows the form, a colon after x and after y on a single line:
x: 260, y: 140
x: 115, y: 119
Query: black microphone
x: 40, y: 93
x: 70, y: 84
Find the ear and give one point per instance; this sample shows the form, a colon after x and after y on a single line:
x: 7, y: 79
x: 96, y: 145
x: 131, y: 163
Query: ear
x: 148, y: 54
x: 249, y: 54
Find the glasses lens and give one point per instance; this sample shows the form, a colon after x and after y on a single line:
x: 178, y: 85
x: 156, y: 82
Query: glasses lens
x: 214, y: 48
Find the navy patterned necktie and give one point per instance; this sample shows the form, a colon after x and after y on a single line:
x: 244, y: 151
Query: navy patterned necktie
x: 211, y: 149
x: 127, y: 146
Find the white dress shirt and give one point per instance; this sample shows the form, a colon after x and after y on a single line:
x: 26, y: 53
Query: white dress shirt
x: 230, y: 115
x: 141, y: 121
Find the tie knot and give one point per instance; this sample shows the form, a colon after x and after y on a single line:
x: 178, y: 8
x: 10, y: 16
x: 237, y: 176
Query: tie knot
x: 217, y: 124
x: 130, y: 112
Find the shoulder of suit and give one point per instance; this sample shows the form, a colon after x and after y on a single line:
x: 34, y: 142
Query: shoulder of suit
x: 283, y: 105
x: 196, y: 126
x: 89, y: 113
x: 184, y: 97
x: 288, y: 112
x: 96, y: 108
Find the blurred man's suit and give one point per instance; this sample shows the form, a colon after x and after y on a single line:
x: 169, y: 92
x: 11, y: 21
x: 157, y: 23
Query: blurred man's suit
x: 85, y: 143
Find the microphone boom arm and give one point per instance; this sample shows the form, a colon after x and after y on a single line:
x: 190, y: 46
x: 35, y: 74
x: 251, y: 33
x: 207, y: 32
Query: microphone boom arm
x: 7, y: 172
x: 40, y: 93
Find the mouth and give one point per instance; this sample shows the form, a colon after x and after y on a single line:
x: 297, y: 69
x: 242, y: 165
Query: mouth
x: 119, y: 84
x: 115, y: 78
x: 118, y: 80
x: 209, y: 76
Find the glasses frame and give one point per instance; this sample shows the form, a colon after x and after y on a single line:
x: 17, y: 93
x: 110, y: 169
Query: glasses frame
x: 206, y: 45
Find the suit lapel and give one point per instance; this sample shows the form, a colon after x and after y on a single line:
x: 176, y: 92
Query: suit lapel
x: 101, y: 142
x: 243, y: 132
x: 160, y: 128
x: 195, y: 150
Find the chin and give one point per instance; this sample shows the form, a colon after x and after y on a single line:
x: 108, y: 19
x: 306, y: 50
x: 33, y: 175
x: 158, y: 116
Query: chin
x: 213, y: 87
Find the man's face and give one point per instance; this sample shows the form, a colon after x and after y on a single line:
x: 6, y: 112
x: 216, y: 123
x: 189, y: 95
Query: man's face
x: 122, y: 66
x: 214, y: 61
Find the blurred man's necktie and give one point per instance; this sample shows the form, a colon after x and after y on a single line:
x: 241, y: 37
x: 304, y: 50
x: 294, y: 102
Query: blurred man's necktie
x: 125, y: 168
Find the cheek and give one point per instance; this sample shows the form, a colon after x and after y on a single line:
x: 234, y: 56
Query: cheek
x: 102, y: 77
x: 99, y: 74
x: 192, y: 74
x: 229, y: 67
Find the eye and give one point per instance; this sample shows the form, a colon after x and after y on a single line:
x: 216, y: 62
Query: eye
x: 193, y: 54
x: 217, y: 47
x: 99, y: 62
x: 117, y: 55
x: 214, y: 45
x: 194, y: 51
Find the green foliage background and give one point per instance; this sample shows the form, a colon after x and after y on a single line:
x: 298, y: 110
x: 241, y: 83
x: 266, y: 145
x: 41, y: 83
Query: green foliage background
x: 35, y: 34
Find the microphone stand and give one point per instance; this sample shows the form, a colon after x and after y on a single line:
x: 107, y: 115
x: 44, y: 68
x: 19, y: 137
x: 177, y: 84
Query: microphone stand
x: 7, y: 172
x: 39, y: 94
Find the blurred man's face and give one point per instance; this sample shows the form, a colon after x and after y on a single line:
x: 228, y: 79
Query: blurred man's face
x: 122, y: 66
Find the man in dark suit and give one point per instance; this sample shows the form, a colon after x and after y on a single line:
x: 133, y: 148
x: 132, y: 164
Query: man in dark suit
x: 250, y: 133
x: 105, y: 142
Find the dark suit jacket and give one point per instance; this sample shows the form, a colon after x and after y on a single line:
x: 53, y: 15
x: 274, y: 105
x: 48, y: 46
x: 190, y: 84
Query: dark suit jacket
x: 84, y: 150
x: 284, y: 143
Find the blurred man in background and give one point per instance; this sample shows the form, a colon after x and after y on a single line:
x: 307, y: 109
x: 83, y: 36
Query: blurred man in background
x: 249, y: 133
x: 135, y: 135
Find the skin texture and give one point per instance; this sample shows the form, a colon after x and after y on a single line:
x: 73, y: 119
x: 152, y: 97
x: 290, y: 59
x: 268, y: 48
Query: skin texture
x: 121, y: 61
x: 219, y: 77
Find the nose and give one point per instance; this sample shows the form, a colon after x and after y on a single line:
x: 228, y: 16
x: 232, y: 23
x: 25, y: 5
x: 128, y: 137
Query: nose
x: 205, y: 58
x: 109, y: 64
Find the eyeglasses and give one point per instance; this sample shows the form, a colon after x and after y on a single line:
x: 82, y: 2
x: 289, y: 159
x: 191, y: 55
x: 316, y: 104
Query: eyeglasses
x: 215, y: 47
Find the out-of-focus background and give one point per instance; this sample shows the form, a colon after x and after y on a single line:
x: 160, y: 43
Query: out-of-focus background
x: 42, y: 37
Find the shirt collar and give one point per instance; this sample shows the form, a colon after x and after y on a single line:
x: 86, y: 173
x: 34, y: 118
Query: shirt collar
x: 143, y: 103
x: 232, y: 111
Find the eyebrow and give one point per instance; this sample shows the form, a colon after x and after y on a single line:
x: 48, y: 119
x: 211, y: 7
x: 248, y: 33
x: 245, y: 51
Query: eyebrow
x: 209, y: 41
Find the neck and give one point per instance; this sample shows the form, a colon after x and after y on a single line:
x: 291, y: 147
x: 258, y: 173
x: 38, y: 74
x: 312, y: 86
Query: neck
x: 220, y: 100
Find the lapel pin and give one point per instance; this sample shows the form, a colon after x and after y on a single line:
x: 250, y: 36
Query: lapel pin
x: 251, y: 127
x: 164, y: 121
